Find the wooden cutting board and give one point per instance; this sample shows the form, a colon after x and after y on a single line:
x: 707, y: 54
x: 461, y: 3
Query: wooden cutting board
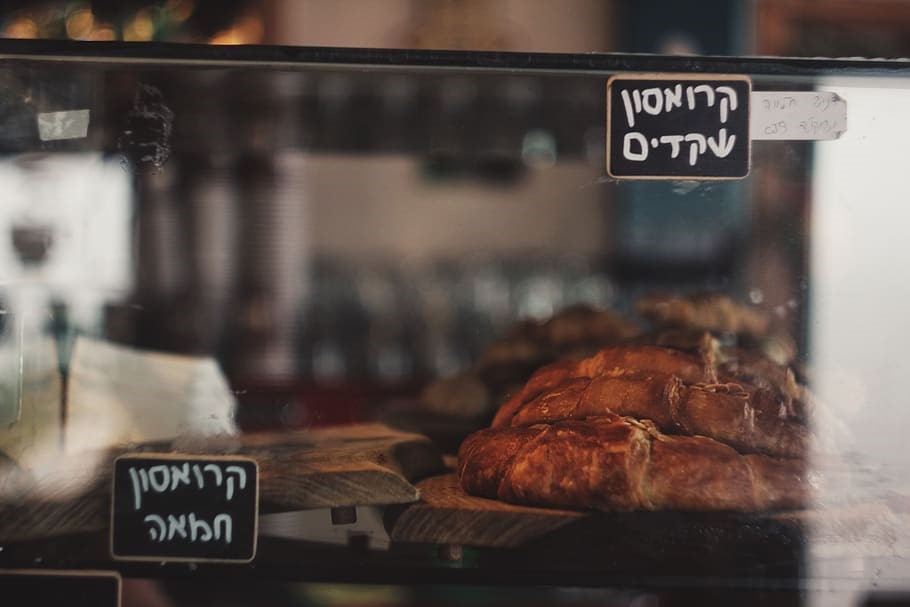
x: 357, y: 465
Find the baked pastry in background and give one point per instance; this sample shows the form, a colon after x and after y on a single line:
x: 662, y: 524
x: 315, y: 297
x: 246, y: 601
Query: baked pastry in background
x: 704, y: 312
x: 688, y: 417
x: 679, y: 392
x: 506, y: 364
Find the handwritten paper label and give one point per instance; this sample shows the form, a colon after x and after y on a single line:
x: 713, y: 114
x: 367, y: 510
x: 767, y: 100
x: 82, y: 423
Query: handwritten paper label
x: 52, y: 588
x: 184, y: 507
x: 666, y: 126
x: 808, y: 115
x: 53, y: 126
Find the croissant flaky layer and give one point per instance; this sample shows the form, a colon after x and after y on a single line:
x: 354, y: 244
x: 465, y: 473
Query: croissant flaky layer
x: 689, y: 368
x: 679, y: 392
x: 616, y: 463
x: 746, y: 421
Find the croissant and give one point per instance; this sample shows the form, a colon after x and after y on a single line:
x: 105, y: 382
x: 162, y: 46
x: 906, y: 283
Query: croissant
x: 749, y: 421
x: 688, y: 367
x: 704, y: 311
x: 615, y: 463
x: 731, y: 363
x: 745, y: 367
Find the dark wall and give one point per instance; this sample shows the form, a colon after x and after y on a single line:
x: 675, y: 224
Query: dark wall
x: 714, y: 27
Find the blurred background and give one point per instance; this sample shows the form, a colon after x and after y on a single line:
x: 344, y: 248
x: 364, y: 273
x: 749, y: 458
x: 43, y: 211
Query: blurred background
x: 318, y: 232
x: 238, y: 231
x: 832, y: 28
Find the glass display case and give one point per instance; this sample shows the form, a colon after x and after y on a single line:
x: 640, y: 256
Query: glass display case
x: 592, y: 329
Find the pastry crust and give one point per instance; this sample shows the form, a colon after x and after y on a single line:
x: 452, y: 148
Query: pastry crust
x: 616, y: 463
x: 682, y: 418
x: 704, y: 311
x: 669, y: 387
x: 690, y: 368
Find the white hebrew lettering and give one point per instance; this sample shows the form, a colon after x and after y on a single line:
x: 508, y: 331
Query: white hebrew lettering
x: 241, y: 479
x: 176, y: 525
x: 189, y: 527
x: 708, y: 91
x: 652, y: 101
x: 627, y: 152
x: 723, y: 146
x: 674, y: 141
x: 197, y: 472
x: 199, y: 529
x: 137, y: 489
x: 216, y: 470
x: 655, y: 100
x: 727, y: 103
x: 163, y: 479
x: 180, y: 475
x: 225, y: 531
x: 157, y: 535
x: 627, y: 103
x: 673, y: 97
x: 699, y: 145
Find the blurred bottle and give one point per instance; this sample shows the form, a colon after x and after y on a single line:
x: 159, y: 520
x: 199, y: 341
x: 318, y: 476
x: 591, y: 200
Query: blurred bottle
x: 272, y: 266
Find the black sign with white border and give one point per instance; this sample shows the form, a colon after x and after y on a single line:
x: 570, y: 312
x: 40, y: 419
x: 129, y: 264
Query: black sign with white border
x: 177, y: 507
x: 678, y: 126
x: 51, y: 588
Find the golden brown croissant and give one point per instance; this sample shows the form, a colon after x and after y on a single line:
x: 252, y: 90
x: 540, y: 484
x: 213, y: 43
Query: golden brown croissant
x: 689, y: 368
x: 749, y: 368
x: 615, y: 463
x: 749, y: 421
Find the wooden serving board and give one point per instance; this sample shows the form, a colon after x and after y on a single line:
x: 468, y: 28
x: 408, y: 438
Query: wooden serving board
x: 447, y: 515
x: 639, y: 541
x: 356, y: 465
x: 598, y: 543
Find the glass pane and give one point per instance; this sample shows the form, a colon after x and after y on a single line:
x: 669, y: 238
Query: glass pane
x: 343, y: 271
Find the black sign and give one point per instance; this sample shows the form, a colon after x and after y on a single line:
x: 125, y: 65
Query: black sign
x: 678, y: 127
x: 185, y: 508
x: 25, y: 588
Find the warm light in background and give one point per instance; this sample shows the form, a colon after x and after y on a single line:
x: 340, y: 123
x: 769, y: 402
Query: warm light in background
x: 141, y: 28
x: 179, y: 10
x: 102, y: 32
x: 248, y: 29
x: 21, y: 27
x: 80, y: 23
